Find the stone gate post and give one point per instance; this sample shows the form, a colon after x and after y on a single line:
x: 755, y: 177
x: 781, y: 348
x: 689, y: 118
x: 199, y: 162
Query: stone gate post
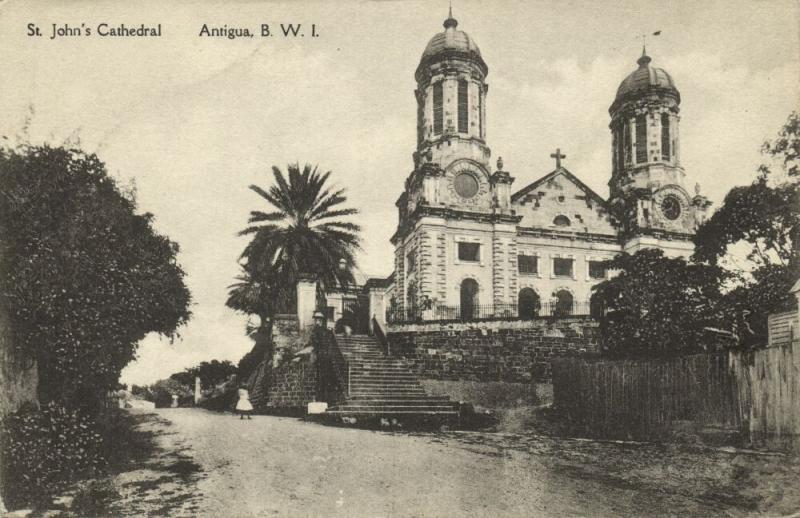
x: 306, y: 301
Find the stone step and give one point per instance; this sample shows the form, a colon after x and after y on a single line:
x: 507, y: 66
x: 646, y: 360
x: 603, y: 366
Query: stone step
x: 381, y: 385
x: 394, y: 412
x: 423, y: 400
x: 393, y: 408
x: 384, y: 381
x: 373, y: 389
x: 380, y: 372
x: 386, y: 389
x: 377, y: 374
x: 396, y: 394
x: 382, y: 364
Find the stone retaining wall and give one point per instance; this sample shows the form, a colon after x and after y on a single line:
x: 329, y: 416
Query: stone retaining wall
x: 293, y: 385
x: 513, y: 351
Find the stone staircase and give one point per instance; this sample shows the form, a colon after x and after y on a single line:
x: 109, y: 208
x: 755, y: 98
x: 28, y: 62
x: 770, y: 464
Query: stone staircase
x: 384, y: 387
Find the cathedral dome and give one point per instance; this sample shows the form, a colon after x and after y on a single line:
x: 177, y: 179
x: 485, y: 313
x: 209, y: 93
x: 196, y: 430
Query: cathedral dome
x: 644, y: 80
x: 452, y: 43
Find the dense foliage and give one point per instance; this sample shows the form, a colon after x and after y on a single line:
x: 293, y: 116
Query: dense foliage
x: 763, y: 220
x: 300, y: 234
x: 161, y: 392
x: 210, y: 373
x: 45, y: 451
x: 786, y: 146
x: 84, y: 277
x: 657, y: 306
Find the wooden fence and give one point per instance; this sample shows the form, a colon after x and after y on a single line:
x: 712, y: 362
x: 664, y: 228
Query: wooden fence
x: 754, y: 392
x: 769, y: 382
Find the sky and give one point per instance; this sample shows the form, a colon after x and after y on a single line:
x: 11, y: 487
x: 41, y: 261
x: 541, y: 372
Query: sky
x: 191, y: 121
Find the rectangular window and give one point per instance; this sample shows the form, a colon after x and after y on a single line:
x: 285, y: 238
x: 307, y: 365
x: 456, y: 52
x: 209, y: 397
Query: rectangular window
x: 463, y: 107
x: 527, y: 264
x: 597, y: 270
x: 562, y: 267
x: 665, y: 138
x: 438, y: 109
x: 469, y: 252
x: 641, y: 139
x: 480, y: 113
x: 411, y: 261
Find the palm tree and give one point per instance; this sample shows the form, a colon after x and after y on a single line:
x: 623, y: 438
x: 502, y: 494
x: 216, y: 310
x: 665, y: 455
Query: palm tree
x: 301, y: 233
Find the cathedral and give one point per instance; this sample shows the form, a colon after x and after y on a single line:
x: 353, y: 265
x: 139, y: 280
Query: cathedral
x: 469, y: 245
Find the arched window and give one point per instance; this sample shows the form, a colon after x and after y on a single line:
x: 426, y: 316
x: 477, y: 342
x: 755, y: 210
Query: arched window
x: 412, y: 309
x: 469, y: 298
x: 563, y: 303
x: 480, y: 113
x: 665, y: 137
x: 420, y: 120
x: 463, y: 106
x: 529, y: 304
x: 438, y: 109
x: 641, y: 139
x: 626, y: 143
x: 561, y: 221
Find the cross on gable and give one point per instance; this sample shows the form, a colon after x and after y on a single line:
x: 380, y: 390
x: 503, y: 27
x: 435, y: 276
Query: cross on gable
x: 558, y: 156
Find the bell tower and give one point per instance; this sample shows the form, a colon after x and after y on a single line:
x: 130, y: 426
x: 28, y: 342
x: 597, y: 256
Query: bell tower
x: 455, y: 217
x: 648, y: 182
x: 451, y: 99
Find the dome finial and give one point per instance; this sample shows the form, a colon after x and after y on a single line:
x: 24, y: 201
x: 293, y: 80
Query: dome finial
x: 450, y: 21
x: 645, y: 59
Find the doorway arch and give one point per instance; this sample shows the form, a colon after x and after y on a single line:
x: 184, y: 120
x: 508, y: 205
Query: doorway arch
x: 469, y: 298
x: 528, y: 304
x: 564, y: 302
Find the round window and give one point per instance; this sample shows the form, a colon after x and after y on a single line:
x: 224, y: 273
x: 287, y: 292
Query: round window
x: 671, y: 207
x: 466, y: 185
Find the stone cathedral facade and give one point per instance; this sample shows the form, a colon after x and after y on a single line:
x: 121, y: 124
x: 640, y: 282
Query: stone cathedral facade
x: 469, y: 243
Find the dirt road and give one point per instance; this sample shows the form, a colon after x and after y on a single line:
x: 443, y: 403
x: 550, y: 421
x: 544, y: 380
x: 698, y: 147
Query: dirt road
x: 273, y: 466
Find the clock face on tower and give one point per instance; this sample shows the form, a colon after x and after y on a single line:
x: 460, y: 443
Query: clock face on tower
x: 467, y: 185
x: 671, y: 207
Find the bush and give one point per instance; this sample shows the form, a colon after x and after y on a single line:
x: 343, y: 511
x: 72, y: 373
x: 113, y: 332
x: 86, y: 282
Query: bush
x: 163, y: 390
x: 44, y: 451
x: 95, y: 498
x: 85, y: 276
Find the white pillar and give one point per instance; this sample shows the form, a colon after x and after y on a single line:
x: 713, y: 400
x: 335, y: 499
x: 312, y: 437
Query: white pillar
x: 377, y: 306
x: 306, y: 302
x: 197, y: 392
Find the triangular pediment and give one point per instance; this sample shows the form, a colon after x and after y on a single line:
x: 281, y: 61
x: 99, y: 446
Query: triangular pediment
x: 520, y: 195
x: 560, y: 201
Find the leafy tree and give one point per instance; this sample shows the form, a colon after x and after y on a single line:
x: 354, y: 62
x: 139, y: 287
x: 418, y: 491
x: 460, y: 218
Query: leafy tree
x: 301, y: 233
x: 763, y: 219
x: 84, y: 277
x: 657, y: 306
x: 786, y: 146
x: 210, y: 373
x: 162, y: 391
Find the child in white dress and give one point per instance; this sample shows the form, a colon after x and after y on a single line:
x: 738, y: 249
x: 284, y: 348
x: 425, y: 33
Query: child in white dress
x: 243, y: 406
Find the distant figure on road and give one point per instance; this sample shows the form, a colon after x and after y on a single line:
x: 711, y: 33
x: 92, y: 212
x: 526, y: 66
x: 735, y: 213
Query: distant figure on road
x: 243, y: 406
